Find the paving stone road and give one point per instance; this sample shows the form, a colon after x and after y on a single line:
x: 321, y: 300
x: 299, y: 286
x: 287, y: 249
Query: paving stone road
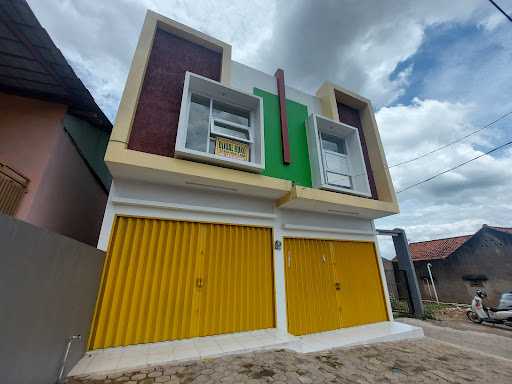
x: 420, y: 361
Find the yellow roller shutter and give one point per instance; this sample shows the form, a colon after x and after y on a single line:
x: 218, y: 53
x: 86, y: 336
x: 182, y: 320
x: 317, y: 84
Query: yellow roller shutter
x: 362, y: 298
x: 332, y: 284
x: 310, y: 294
x: 166, y: 280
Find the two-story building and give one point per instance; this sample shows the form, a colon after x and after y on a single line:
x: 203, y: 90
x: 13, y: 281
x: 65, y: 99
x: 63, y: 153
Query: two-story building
x: 237, y: 203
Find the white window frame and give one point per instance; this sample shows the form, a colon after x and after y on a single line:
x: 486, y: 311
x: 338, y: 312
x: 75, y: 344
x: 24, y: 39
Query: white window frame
x: 237, y: 127
x: 360, y: 185
x: 336, y: 154
x: 215, y: 91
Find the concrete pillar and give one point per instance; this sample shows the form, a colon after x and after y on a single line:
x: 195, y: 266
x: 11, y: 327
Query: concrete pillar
x: 405, y: 263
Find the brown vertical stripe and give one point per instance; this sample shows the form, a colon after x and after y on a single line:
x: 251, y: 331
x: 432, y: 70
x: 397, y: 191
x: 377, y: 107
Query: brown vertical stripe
x: 282, y: 110
x: 156, y: 120
x: 350, y: 116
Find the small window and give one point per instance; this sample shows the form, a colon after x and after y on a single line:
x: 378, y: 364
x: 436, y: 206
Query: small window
x: 220, y: 125
x: 224, y: 128
x: 229, y: 133
x: 339, y: 180
x: 199, y: 116
x: 336, y: 157
x: 336, y: 162
x: 333, y: 143
x: 230, y: 113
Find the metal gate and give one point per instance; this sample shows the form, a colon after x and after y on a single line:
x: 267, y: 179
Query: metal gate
x: 331, y: 285
x: 166, y: 280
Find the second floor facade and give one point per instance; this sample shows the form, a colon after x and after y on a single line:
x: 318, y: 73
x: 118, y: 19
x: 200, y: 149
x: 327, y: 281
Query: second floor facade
x: 192, y: 117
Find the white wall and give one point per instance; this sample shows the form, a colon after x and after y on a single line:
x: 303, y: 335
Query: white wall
x: 246, y: 79
x: 194, y: 204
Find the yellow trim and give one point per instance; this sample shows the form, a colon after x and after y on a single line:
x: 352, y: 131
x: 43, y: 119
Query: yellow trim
x: 329, y: 95
x: 319, y: 200
x: 130, y: 97
x: 223, y: 177
x: 157, y: 167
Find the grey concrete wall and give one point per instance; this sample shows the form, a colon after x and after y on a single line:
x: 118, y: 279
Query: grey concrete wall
x: 48, y: 287
x: 390, y: 278
x: 487, y: 253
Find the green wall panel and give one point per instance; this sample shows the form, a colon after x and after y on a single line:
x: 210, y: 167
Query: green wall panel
x: 299, y: 170
x: 92, y: 145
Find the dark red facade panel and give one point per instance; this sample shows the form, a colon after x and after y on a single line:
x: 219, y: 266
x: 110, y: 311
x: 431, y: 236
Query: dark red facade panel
x: 350, y: 116
x: 155, y: 124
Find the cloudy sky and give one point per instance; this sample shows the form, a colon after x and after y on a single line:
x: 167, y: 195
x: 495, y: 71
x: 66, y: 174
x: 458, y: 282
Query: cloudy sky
x: 435, y: 70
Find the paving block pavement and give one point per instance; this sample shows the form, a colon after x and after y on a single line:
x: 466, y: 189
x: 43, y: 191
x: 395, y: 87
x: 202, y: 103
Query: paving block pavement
x: 418, y: 361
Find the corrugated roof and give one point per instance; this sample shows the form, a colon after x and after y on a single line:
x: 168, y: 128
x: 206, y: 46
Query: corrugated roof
x: 503, y: 229
x: 31, y: 65
x: 442, y: 248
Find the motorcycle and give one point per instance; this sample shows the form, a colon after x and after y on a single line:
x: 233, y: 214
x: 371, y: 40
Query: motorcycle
x: 479, y: 313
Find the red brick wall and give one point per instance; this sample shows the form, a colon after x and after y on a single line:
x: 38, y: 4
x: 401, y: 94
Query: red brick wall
x: 350, y: 116
x: 156, y: 120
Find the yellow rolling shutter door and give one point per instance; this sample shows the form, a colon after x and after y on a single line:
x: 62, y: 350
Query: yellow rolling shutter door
x: 331, y: 284
x: 311, y: 301
x: 166, y: 280
x: 361, y: 295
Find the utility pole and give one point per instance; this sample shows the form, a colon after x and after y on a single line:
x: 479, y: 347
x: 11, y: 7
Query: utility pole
x: 429, y: 267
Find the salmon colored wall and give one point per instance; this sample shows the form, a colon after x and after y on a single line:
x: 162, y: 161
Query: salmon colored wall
x: 63, y: 194
x: 28, y: 132
x: 71, y: 200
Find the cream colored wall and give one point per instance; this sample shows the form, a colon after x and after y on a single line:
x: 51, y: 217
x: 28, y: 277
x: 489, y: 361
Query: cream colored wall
x: 329, y: 94
x: 133, y: 86
x: 118, y: 157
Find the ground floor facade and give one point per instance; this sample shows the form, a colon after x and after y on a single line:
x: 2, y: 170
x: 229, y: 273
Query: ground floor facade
x: 191, y: 262
x: 418, y: 361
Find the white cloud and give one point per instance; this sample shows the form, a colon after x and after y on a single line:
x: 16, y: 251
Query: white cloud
x: 358, y: 44
x: 99, y: 38
x: 458, y: 202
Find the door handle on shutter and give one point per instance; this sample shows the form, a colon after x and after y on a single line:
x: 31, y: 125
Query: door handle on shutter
x: 337, y: 286
x: 199, y: 282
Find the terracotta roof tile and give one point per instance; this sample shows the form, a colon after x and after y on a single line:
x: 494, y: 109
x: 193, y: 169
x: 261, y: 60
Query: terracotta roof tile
x: 436, y: 249
x: 442, y: 248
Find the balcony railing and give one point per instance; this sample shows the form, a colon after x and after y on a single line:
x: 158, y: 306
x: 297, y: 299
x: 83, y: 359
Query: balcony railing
x: 13, y: 185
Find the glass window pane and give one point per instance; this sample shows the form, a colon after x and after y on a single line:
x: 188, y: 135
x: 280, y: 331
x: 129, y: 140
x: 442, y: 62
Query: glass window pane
x: 339, y: 180
x: 230, y: 113
x: 333, y: 143
x: 336, y: 163
x: 198, y: 119
x: 226, y: 129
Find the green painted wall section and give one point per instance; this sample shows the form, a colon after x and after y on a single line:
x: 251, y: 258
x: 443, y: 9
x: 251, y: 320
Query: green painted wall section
x: 92, y: 144
x: 299, y: 170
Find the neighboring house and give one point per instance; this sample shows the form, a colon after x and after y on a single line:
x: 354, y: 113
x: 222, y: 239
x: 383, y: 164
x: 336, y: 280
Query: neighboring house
x: 462, y: 264
x: 389, y: 271
x: 237, y: 202
x: 53, y: 136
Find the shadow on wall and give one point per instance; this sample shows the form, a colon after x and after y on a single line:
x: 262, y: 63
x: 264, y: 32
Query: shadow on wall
x: 48, y: 287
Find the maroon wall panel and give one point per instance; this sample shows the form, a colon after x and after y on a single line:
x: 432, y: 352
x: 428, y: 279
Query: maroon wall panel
x: 350, y: 116
x: 156, y: 119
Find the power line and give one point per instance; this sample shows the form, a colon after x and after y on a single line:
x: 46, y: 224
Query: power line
x: 443, y: 146
x: 451, y: 143
x: 453, y: 168
x: 501, y: 10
